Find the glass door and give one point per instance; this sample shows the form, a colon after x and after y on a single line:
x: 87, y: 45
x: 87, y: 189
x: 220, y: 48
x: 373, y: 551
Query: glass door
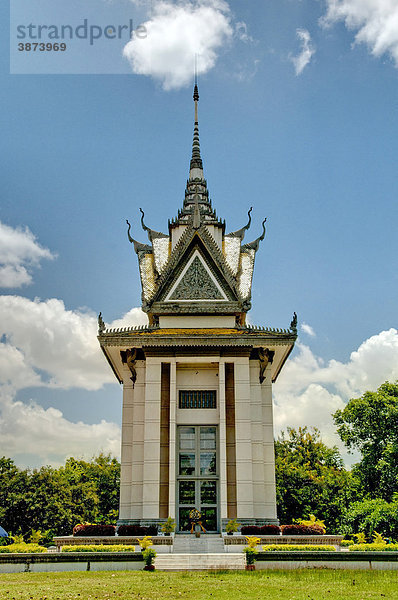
x: 197, y: 479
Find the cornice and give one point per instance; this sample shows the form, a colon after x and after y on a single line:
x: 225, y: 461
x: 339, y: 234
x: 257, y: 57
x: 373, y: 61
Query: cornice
x: 197, y: 337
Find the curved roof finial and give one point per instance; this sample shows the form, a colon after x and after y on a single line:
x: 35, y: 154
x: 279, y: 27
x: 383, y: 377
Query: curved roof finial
x: 152, y: 234
x: 255, y: 245
x: 128, y: 233
x: 144, y: 227
x: 241, y: 232
x: 138, y: 247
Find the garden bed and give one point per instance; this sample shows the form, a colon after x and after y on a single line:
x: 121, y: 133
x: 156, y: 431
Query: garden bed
x: 70, y: 540
x: 327, y: 540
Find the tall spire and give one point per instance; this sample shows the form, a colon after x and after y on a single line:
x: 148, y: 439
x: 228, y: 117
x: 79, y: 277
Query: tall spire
x: 197, y: 208
x: 196, y: 160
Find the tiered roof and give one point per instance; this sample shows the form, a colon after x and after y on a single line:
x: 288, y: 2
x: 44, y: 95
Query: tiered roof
x: 196, y: 268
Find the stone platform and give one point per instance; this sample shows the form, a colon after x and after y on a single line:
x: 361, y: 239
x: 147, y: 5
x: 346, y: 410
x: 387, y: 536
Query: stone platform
x: 200, y: 562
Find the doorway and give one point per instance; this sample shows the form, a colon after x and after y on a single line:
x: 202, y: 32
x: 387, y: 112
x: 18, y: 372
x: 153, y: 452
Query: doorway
x: 197, y: 477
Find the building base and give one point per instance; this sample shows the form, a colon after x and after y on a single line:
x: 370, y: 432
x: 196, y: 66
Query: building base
x: 158, y: 522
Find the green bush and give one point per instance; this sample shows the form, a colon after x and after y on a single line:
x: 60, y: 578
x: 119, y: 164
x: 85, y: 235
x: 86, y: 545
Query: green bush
x: 250, y: 555
x: 99, y: 548
x: 298, y: 548
x: 369, y: 516
x: 149, y: 556
x: 374, y: 547
x: 299, y: 529
x: 22, y: 547
x: 346, y: 543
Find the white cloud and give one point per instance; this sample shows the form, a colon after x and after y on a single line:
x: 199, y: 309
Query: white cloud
x: 134, y: 317
x: 45, y: 433
x: 308, y: 329
x: 309, y: 390
x: 241, y: 32
x: 46, y: 345
x: 60, y: 345
x: 19, y: 253
x: 374, y: 21
x: 307, y: 51
x: 175, y: 33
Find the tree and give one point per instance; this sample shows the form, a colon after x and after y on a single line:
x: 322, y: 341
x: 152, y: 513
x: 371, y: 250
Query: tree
x: 13, y: 503
x: 57, y: 499
x: 370, y: 516
x: 370, y: 424
x: 310, y: 478
x: 95, y: 487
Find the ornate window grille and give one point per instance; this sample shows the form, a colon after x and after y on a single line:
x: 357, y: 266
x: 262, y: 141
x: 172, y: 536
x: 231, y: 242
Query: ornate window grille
x: 197, y: 399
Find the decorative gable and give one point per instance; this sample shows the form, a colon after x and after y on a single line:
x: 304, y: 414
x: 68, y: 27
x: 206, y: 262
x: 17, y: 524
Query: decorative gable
x: 196, y: 282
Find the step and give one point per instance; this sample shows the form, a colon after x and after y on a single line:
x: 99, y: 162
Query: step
x: 199, y: 562
x: 206, y: 544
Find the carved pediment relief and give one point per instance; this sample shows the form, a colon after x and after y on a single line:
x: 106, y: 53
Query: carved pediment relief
x: 196, y: 282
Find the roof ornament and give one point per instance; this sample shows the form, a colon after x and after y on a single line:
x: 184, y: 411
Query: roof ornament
x: 101, y: 324
x: 144, y: 227
x: 152, y: 234
x: 265, y: 356
x: 255, y: 245
x: 241, y: 232
x: 138, y: 247
x: 293, y: 324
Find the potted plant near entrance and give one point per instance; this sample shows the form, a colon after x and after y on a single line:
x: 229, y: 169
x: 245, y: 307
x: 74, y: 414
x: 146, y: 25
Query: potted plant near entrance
x: 149, y: 556
x: 168, y: 526
x: 148, y: 553
x: 251, y: 551
x: 232, y: 527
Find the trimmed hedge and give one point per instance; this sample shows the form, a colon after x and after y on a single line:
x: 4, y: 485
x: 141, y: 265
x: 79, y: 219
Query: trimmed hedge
x: 374, y: 547
x: 22, y: 547
x: 260, y: 530
x: 298, y: 529
x: 346, y: 543
x: 137, y: 530
x: 298, y: 548
x: 89, y: 529
x: 99, y: 548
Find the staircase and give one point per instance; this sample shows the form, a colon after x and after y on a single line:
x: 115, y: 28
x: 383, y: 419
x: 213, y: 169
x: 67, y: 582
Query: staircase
x: 199, y: 562
x: 199, y: 554
x: 206, y: 544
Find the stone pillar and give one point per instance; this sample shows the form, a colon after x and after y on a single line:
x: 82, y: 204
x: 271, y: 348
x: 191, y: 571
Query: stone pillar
x: 268, y: 447
x: 258, y: 440
x: 150, y: 496
x: 172, y: 438
x: 244, y: 471
x: 132, y: 451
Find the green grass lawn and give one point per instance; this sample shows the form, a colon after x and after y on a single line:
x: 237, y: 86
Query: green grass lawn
x: 276, y: 585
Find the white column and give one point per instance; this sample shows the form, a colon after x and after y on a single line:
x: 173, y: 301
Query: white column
x: 222, y: 441
x: 172, y: 439
x: 132, y: 450
x: 244, y: 471
x: 268, y: 446
x: 126, y: 448
x: 256, y: 410
x: 152, y: 439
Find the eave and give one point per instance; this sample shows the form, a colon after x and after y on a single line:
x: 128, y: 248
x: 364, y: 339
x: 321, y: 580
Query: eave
x: 216, y: 340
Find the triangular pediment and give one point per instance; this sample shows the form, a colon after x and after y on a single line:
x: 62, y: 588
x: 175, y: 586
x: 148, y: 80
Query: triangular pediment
x: 196, y: 282
x: 196, y: 276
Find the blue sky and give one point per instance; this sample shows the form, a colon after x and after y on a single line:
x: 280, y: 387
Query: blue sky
x: 298, y: 118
